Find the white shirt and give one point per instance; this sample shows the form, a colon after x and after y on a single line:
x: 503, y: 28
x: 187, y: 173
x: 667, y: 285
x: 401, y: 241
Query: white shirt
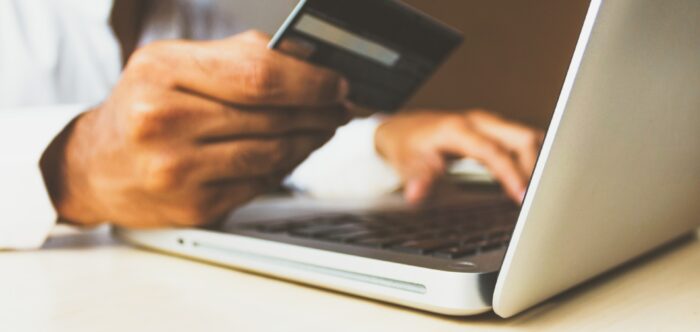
x: 60, y: 57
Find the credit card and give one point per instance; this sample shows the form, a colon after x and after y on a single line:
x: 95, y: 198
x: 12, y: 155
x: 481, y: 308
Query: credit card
x: 385, y: 48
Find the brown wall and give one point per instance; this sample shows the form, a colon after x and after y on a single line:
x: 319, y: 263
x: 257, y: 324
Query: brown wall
x: 513, y: 60
x: 514, y: 57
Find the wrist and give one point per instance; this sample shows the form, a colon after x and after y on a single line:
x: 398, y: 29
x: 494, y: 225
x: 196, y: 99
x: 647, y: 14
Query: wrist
x: 65, y: 178
x: 380, y: 139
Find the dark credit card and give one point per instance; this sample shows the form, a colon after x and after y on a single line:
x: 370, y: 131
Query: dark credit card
x: 385, y: 48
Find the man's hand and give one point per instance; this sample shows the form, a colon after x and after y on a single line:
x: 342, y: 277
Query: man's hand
x: 418, y: 145
x: 193, y: 130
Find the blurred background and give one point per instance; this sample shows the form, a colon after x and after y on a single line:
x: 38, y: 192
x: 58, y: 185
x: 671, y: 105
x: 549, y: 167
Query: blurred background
x: 513, y: 61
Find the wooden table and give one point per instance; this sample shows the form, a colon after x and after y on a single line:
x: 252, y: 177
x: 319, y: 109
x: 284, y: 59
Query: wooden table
x: 89, y: 282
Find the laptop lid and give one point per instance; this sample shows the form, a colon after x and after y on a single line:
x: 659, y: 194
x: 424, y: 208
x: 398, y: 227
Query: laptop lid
x: 619, y: 173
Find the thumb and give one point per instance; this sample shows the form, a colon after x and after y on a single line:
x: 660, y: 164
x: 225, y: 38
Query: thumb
x: 297, y: 48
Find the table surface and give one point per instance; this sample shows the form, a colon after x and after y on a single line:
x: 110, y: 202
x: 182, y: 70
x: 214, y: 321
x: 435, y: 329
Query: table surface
x: 87, y: 281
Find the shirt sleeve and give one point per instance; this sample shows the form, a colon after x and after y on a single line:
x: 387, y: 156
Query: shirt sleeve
x: 347, y: 167
x: 26, y: 209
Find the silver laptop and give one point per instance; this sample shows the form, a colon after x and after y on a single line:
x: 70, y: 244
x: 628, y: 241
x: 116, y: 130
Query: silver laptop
x: 618, y: 175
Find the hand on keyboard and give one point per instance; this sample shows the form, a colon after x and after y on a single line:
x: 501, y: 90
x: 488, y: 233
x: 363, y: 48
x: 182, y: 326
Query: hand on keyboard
x: 418, y: 144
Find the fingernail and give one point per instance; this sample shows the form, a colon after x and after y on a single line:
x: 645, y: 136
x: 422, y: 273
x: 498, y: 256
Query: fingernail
x: 522, y: 196
x: 412, y: 191
x: 416, y: 191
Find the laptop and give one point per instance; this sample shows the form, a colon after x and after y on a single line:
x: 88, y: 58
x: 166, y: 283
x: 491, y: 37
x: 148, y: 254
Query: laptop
x: 618, y: 175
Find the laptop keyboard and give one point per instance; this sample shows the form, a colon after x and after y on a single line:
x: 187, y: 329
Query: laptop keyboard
x: 449, y: 233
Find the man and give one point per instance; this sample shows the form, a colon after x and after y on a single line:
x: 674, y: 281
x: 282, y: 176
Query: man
x: 190, y: 130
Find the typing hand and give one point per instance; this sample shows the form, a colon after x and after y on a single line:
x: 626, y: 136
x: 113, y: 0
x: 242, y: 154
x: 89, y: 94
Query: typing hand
x: 192, y: 130
x: 418, y: 144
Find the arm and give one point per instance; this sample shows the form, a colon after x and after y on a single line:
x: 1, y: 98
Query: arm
x: 191, y: 131
x: 419, y: 145
x: 27, y: 212
x: 371, y: 157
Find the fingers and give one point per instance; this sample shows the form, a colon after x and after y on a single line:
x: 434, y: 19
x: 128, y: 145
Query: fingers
x: 216, y: 201
x: 187, y: 194
x: 200, y: 206
x: 492, y: 155
x: 297, y: 48
x: 419, y: 175
x: 416, y: 190
x: 523, y: 141
x: 242, y: 159
x: 241, y: 70
x: 197, y: 119
x: 255, y: 75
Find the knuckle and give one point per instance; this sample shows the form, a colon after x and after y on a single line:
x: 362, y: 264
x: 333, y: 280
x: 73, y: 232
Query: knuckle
x: 146, y: 121
x: 255, y: 35
x: 166, y: 174
x: 261, y: 80
x: 152, y: 63
x: 453, y: 122
x: 478, y: 114
x: 143, y: 57
x: 148, y: 56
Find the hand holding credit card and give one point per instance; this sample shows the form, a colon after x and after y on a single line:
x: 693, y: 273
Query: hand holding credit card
x: 385, y: 48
